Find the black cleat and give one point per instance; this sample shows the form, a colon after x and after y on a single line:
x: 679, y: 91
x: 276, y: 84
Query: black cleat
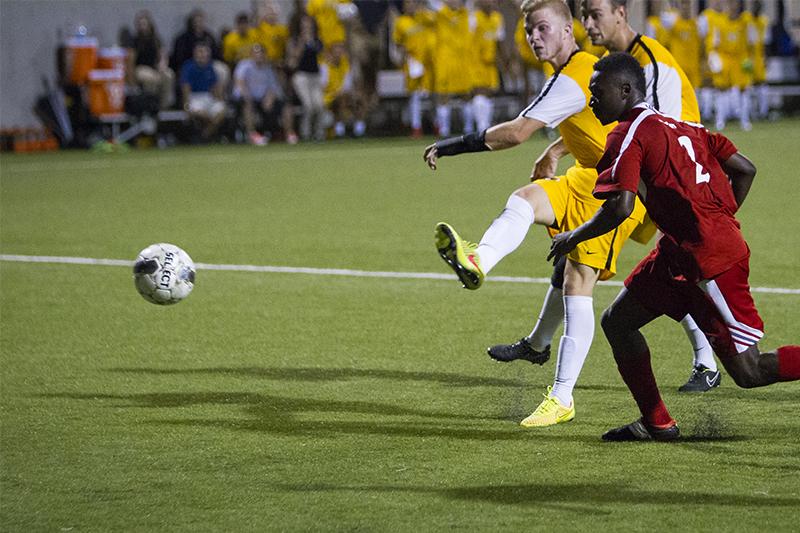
x: 505, y: 353
x: 702, y: 379
x: 638, y: 430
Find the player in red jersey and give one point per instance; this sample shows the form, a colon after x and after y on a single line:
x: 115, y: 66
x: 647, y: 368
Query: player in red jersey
x: 691, y: 182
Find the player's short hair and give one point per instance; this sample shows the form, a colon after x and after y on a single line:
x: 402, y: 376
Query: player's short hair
x: 625, y: 67
x: 559, y: 7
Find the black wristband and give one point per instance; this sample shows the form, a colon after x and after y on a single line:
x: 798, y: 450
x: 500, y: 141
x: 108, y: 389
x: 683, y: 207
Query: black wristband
x: 471, y: 142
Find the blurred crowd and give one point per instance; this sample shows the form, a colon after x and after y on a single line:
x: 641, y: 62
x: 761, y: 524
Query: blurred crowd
x: 315, y: 75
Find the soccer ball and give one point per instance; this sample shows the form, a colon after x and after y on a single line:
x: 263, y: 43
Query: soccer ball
x: 163, y: 274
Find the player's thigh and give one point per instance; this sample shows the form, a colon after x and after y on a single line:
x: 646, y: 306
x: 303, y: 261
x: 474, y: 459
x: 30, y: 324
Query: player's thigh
x: 548, y: 198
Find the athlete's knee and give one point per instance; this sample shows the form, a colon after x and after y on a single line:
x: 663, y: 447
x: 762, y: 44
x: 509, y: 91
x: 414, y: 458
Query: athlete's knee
x: 612, y: 326
x: 750, y: 369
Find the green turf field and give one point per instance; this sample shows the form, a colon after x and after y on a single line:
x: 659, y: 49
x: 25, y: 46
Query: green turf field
x: 279, y: 401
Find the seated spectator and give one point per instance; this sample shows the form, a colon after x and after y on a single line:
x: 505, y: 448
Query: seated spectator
x: 202, y: 91
x: 258, y: 92
x: 236, y: 45
x: 147, y: 61
x: 339, y: 93
x: 184, y: 45
x: 302, y: 60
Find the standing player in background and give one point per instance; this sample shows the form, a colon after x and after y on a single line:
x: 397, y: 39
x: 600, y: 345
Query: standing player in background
x: 451, y: 77
x: 489, y: 35
x: 339, y: 94
x: 731, y: 66
x: 685, y: 43
x: 692, y: 182
x: 559, y: 204
x: 412, y: 34
x: 759, y: 41
x: 330, y: 16
x: 669, y: 90
x: 707, y: 22
x: 660, y: 18
x: 271, y: 34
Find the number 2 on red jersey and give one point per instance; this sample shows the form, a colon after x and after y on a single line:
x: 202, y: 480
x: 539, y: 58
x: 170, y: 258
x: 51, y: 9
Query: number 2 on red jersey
x: 701, y: 176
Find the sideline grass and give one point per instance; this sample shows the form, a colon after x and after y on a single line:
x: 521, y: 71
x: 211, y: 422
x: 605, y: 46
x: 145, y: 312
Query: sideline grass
x: 289, y: 402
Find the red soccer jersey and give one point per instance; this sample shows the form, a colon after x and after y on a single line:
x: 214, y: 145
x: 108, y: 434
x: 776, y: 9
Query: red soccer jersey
x: 675, y: 169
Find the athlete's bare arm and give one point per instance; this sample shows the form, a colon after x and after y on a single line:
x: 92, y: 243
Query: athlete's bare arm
x: 500, y: 137
x: 547, y: 163
x: 741, y: 172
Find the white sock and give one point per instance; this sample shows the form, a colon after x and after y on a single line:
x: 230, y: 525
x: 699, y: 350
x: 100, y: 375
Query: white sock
x: 443, y: 119
x: 506, y: 232
x: 468, y: 113
x: 484, y: 109
x: 550, y: 318
x: 744, y: 116
x: 574, y: 345
x: 703, y: 354
x: 734, y: 102
x: 721, y: 109
x: 415, y: 109
x: 707, y: 102
x: 763, y: 100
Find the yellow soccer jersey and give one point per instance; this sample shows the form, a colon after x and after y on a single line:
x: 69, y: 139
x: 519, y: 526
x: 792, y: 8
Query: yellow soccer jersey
x: 668, y: 88
x: 236, y: 47
x: 686, y: 48
x: 415, y: 35
x: 656, y: 30
x: 758, y: 44
x: 488, y: 32
x: 336, y: 78
x: 452, y: 47
x: 564, y: 103
x: 273, y: 38
x: 707, y: 24
x: 331, y: 29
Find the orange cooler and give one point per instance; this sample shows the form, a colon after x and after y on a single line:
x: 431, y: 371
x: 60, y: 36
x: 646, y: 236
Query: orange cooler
x: 81, y: 57
x: 106, y: 91
x: 111, y: 58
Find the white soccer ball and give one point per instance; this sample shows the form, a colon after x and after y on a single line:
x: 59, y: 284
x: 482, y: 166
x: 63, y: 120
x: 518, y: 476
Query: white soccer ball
x: 163, y: 274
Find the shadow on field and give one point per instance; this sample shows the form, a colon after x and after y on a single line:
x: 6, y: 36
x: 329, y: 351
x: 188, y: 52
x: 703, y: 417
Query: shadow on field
x: 331, y: 374
x: 329, y: 418
x: 583, y: 496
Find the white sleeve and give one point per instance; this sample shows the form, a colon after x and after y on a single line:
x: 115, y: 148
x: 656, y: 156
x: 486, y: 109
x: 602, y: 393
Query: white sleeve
x: 702, y: 26
x: 560, y: 98
x: 324, y: 75
x: 668, y: 90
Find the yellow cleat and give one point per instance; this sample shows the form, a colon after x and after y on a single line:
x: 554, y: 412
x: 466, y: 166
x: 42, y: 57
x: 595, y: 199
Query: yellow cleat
x: 460, y: 255
x: 549, y: 413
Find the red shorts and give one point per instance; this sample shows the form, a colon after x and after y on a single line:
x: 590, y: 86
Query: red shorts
x: 723, y: 307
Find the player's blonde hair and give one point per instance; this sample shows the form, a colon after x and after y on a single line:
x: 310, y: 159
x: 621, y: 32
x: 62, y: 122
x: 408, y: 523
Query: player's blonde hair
x: 559, y: 7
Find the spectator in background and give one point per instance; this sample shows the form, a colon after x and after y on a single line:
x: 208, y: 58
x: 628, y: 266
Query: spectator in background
x: 183, y: 48
x: 202, y: 92
x: 339, y: 95
x: 489, y: 36
x: 302, y: 60
x: 237, y: 44
x: 147, y: 61
x: 271, y: 34
x: 258, y: 92
x: 329, y: 16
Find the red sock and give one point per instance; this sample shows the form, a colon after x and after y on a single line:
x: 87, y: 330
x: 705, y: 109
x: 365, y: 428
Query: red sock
x: 638, y: 376
x: 788, y: 363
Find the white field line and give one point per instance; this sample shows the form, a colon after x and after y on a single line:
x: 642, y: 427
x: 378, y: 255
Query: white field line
x: 318, y: 271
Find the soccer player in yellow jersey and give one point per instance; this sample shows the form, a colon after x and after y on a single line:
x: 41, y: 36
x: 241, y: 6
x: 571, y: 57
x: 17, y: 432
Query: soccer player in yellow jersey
x: 707, y: 22
x: 338, y: 91
x: 685, y: 44
x: 413, y: 35
x: 237, y: 44
x: 559, y: 204
x: 329, y: 15
x: 758, y: 42
x: 451, y: 77
x: 271, y: 34
x: 733, y: 75
x: 488, y: 33
x: 669, y: 91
